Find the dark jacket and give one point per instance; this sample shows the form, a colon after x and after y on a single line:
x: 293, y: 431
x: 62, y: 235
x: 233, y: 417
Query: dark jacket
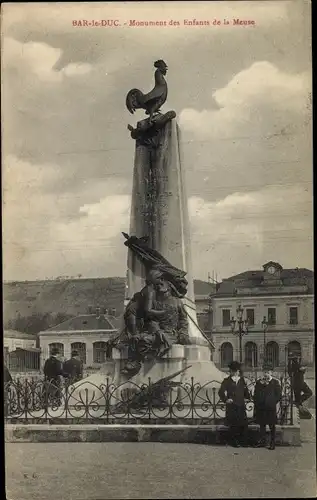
x: 266, y: 397
x: 73, y: 369
x: 6, y: 375
x: 236, y: 415
x: 237, y: 392
x: 53, y: 368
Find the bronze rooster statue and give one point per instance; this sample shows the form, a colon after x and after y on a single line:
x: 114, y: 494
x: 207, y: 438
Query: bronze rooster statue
x: 152, y: 101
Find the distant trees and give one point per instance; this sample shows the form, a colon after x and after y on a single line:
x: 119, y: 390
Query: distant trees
x: 36, y: 322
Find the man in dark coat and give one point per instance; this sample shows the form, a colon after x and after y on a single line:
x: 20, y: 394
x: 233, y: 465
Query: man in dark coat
x: 233, y: 392
x: 267, y: 394
x: 53, y: 372
x: 6, y: 375
x: 302, y: 391
x: 73, y: 368
x: 7, y: 380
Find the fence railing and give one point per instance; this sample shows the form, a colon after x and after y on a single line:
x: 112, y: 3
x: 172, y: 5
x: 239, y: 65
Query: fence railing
x: 39, y: 401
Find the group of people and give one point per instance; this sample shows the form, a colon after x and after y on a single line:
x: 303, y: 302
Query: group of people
x: 55, y: 371
x: 267, y: 394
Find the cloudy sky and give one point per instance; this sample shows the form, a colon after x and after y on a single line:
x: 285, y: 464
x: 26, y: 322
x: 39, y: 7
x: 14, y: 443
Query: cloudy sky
x: 243, y: 99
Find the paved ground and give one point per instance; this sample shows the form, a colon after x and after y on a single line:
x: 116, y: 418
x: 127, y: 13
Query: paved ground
x: 104, y: 471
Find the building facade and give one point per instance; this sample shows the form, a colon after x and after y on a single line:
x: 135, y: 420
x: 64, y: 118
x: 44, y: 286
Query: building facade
x: 88, y: 334
x: 13, y: 340
x: 20, y: 352
x: 278, y: 305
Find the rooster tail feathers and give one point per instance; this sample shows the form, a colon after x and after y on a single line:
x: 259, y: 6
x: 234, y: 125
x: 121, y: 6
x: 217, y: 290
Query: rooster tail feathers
x: 134, y: 100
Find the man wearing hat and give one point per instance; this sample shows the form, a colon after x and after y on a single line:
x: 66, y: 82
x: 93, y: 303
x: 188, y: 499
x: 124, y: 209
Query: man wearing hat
x: 53, y: 372
x: 267, y: 394
x: 301, y: 390
x: 233, y: 392
x: 73, y: 368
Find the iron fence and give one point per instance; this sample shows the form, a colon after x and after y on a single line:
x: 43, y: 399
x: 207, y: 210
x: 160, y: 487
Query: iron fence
x: 34, y: 401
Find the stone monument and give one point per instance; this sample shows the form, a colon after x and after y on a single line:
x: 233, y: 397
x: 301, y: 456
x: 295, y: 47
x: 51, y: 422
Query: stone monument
x: 160, y: 336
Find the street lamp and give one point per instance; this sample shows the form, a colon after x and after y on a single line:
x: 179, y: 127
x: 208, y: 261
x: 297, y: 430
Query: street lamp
x: 265, y: 326
x: 242, y: 328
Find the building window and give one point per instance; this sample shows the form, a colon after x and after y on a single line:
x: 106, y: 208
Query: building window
x: 250, y: 355
x: 81, y: 348
x: 101, y: 352
x: 226, y: 317
x: 250, y: 316
x: 56, y: 345
x: 271, y: 316
x: 272, y: 353
x: 294, y: 350
x: 226, y: 354
x: 204, y: 321
x: 293, y: 315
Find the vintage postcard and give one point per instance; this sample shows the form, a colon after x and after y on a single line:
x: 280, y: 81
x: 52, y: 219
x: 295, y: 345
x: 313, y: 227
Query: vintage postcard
x: 158, y: 281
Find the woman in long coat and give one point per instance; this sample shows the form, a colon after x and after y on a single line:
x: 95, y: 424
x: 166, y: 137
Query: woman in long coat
x: 267, y: 394
x: 233, y: 392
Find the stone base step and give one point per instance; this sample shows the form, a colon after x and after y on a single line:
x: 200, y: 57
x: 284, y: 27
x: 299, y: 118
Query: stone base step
x: 207, y: 434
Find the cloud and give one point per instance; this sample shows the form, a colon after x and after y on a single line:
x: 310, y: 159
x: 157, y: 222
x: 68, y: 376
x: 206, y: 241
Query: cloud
x: 251, y: 225
x: 74, y: 69
x: 258, y: 100
x: 45, y: 233
x: 247, y: 124
x: 40, y: 239
x: 40, y: 60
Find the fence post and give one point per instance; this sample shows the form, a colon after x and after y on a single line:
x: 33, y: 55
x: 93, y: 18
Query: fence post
x: 66, y: 398
x: 192, y: 398
x: 107, y: 400
x: 214, y: 405
x: 291, y: 400
x: 26, y: 406
x: 150, y: 398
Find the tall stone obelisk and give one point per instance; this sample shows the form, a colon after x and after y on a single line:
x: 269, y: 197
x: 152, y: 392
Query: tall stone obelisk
x: 159, y: 211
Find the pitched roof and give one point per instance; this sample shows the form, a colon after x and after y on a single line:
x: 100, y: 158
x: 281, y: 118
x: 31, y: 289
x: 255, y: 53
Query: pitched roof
x: 296, y: 272
x: 249, y: 279
x: 14, y: 334
x: 203, y: 288
x: 88, y: 322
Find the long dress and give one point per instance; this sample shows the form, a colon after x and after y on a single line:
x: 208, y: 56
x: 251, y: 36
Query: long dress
x: 236, y: 415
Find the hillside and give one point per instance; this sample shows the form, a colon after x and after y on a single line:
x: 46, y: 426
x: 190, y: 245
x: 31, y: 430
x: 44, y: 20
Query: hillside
x: 67, y: 297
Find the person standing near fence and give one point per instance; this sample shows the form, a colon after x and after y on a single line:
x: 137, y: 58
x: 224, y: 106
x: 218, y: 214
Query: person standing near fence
x: 234, y: 393
x: 302, y: 392
x: 73, y: 368
x: 7, y: 380
x: 53, y: 372
x: 267, y: 394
